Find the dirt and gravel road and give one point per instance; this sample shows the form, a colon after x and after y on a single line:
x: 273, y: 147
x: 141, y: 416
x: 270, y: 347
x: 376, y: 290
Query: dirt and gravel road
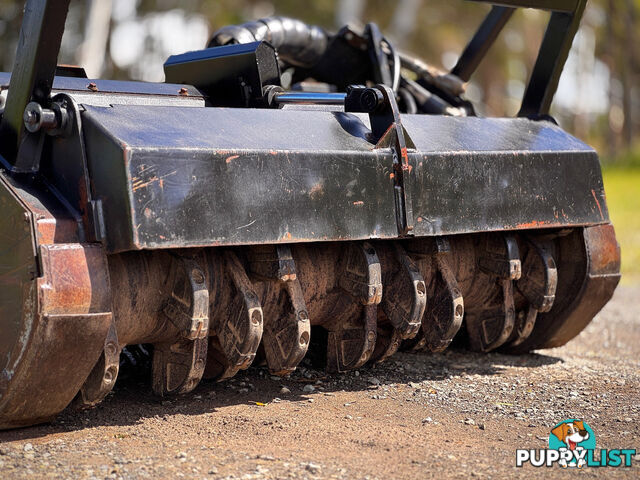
x: 454, y: 415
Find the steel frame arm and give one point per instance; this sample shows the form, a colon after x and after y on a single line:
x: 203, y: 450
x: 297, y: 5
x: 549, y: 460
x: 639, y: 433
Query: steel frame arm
x: 33, y: 71
x: 556, y: 44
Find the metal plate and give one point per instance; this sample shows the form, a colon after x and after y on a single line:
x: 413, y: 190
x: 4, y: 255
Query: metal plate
x: 176, y: 177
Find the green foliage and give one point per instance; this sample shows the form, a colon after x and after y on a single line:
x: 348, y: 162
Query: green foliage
x: 622, y: 185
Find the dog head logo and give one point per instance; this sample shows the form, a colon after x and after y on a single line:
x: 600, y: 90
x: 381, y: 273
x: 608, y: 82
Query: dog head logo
x: 572, y: 438
x: 571, y: 433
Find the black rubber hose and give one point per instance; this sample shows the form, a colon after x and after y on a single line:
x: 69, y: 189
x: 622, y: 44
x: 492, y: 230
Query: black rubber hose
x: 297, y: 43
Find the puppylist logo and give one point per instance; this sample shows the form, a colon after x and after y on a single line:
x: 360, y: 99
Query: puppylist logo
x: 572, y: 444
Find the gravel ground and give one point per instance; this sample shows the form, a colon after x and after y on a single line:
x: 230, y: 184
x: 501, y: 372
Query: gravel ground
x: 454, y: 415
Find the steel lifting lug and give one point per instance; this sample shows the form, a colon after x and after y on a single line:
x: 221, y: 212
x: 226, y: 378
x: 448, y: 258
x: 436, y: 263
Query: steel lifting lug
x: 380, y: 103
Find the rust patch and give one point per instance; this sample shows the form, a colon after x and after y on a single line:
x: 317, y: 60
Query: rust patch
x: 232, y: 157
x: 316, y: 191
x: 604, y: 250
x: 595, y: 197
x: 358, y: 203
x: 533, y: 224
x: 140, y: 184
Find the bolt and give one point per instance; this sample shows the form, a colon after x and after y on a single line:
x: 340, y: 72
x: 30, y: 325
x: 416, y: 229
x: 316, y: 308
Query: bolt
x: 93, y: 87
x: 184, y: 91
x: 31, y: 117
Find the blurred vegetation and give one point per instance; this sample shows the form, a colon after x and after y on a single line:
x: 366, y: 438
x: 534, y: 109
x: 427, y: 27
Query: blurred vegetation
x: 621, y: 184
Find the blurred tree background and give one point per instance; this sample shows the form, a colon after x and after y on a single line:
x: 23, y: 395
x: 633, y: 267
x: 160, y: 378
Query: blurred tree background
x: 598, y: 99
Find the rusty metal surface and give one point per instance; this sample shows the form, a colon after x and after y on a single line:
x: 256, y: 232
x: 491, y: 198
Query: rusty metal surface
x: 66, y: 316
x: 588, y: 262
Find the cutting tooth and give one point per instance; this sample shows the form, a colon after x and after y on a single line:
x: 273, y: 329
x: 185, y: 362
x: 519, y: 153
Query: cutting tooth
x: 287, y: 328
x: 490, y: 323
x: 236, y: 329
x: 446, y: 310
x: 178, y: 366
x: 537, y: 285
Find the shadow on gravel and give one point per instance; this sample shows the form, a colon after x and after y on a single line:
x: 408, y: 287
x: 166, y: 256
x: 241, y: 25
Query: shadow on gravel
x: 132, y: 400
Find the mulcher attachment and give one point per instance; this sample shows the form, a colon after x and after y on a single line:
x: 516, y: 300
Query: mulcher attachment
x: 341, y: 225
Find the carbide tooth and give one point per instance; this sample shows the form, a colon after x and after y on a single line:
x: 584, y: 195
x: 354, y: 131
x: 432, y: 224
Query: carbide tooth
x: 405, y: 293
x: 490, y: 325
x: 351, y: 340
x: 178, y: 367
x: 445, y: 314
x: 538, y: 286
x: 403, y: 302
x: 351, y: 343
x: 286, y: 336
x: 236, y: 336
x: 104, y: 374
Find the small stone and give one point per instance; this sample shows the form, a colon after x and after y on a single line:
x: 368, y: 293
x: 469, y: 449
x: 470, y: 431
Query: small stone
x: 628, y: 419
x: 313, y: 468
x: 181, y: 455
x: 356, y: 373
x: 427, y: 420
x: 308, y: 388
x: 481, y: 426
x: 374, y: 381
x: 469, y: 421
x: 285, y: 391
x: 348, y: 417
x: 28, y: 447
x: 573, y: 394
x: 213, y: 471
x: 243, y: 390
x: 310, y: 400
